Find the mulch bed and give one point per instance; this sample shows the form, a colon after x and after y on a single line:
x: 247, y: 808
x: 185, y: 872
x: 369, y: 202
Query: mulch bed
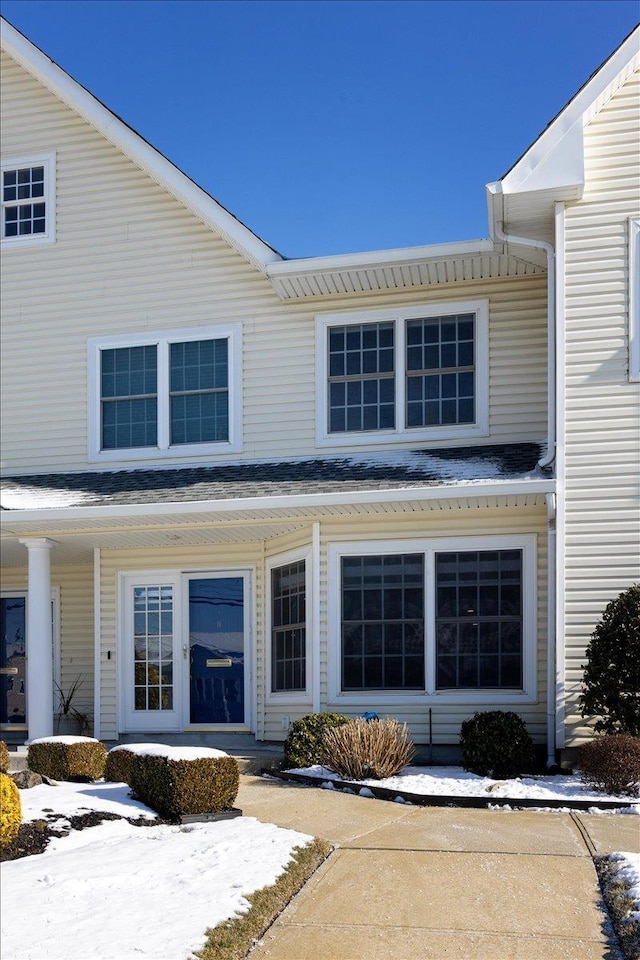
x: 34, y: 836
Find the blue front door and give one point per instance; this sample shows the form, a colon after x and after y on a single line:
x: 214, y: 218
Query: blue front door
x: 216, y: 650
x: 12, y: 662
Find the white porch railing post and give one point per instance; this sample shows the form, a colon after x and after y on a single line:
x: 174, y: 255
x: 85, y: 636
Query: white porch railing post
x: 39, y: 639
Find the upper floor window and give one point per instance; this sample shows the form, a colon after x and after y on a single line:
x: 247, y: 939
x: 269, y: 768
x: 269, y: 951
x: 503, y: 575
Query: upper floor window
x: 28, y: 206
x: 168, y: 395
x: 418, y: 373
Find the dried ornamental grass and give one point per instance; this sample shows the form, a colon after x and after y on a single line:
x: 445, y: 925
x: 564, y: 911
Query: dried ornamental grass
x: 4, y: 757
x: 67, y: 758
x: 10, y: 810
x: 612, y: 764
x: 368, y: 749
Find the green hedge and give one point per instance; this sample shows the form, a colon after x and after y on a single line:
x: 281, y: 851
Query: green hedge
x: 120, y: 759
x: 61, y: 758
x: 496, y: 743
x: 304, y: 745
x: 175, y: 788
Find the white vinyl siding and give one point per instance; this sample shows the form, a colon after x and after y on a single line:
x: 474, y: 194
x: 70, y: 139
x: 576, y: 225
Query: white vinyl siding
x: 601, y: 406
x: 131, y: 259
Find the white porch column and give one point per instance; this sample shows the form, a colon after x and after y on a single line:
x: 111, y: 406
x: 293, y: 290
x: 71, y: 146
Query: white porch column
x: 39, y: 639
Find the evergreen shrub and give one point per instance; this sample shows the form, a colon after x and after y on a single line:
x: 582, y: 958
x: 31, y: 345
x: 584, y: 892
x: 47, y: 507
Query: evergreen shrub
x: 10, y: 810
x: 304, y: 745
x: 4, y: 757
x: 67, y: 758
x: 611, y: 682
x: 368, y: 749
x: 175, y: 787
x: 496, y: 743
x: 612, y: 764
x: 120, y: 760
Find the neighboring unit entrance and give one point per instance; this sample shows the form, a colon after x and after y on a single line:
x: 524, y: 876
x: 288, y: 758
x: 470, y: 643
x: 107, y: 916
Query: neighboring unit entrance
x: 13, y: 702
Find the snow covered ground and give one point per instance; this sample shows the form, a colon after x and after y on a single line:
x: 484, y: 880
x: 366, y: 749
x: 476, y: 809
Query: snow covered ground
x: 117, y: 890
x: 456, y: 782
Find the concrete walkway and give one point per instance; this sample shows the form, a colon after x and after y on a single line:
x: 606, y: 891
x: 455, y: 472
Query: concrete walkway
x: 416, y: 883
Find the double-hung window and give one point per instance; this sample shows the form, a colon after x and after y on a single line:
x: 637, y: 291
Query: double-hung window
x: 28, y: 200
x: 449, y: 619
x: 411, y: 373
x: 170, y: 395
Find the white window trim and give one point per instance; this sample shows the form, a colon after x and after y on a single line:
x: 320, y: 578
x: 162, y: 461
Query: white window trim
x: 285, y: 697
x: 231, y: 332
x: 48, y: 161
x: 431, y: 696
x: 398, y: 315
x: 634, y: 300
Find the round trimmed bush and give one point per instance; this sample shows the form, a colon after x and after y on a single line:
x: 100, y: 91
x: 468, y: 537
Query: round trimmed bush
x: 496, y: 744
x: 4, y: 757
x: 304, y: 745
x: 612, y: 673
x: 612, y: 764
x: 10, y: 810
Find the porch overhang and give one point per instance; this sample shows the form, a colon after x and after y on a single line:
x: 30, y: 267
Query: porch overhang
x: 79, y: 531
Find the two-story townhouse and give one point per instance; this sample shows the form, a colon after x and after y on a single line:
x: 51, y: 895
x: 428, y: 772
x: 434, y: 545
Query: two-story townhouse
x: 240, y: 488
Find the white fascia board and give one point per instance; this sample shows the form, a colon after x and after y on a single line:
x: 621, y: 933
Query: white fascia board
x: 379, y: 258
x: 494, y: 488
x: 552, y: 160
x: 165, y: 173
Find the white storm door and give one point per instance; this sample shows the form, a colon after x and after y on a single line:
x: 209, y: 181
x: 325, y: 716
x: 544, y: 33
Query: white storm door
x: 151, y: 653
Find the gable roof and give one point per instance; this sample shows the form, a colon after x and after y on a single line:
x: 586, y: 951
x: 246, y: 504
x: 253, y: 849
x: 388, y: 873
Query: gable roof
x: 134, y: 146
x: 552, y: 168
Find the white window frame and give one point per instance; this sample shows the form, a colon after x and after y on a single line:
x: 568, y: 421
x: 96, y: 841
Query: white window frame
x: 231, y: 332
x: 431, y: 696
x: 285, y: 697
x: 634, y: 300
x: 398, y: 315
x: 48, y: 161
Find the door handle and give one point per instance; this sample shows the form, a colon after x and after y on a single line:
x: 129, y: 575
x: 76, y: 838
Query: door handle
x: 185, y: 650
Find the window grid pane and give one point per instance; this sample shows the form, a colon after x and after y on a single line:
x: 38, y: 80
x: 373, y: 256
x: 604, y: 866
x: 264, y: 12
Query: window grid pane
x: 479, y: 620
x: 153, y: 648
x: 23, y: 218
x: 361, y: 377
x: 129, y: 397
x: 288, y: 627
x: 383, y: 622
x: 440, y: 361
x: 199, y: 391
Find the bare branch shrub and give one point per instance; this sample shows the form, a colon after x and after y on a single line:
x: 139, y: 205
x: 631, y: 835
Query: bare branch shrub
x: 368, y: 749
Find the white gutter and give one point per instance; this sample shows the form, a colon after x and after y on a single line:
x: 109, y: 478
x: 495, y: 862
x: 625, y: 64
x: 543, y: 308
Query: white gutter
x: 496, y: 229
x: 496, y: 488
x: 377, y: 258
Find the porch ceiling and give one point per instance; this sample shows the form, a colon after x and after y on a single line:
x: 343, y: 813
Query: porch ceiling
x: 76, y: 537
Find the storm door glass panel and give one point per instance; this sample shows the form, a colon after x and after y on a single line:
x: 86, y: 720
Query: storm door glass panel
x: 153, y: 648
x: 12, y: 661
x: 479, y: 620
x: 199, y: 388
x: 216, y: 650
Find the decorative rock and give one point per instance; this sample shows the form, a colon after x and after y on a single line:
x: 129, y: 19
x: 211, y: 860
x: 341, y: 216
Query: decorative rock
x: 25, y: 779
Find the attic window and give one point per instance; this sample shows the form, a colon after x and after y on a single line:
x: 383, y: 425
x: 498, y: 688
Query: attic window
x: 28, y: 201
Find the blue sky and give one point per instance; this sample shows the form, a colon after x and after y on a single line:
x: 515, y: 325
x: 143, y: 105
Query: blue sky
x: 335, y: 127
